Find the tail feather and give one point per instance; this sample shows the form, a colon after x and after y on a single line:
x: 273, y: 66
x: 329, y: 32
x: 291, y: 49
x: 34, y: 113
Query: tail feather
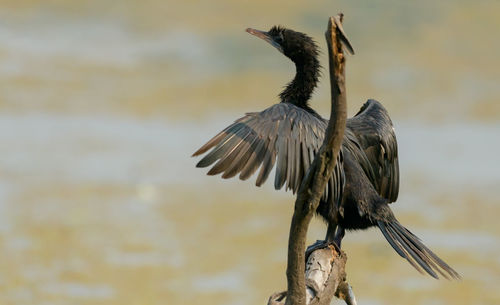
x: 409, y: 246
x: 435, y: 259
x: 414, y: 252
x: 396, y: 246
x: 390, y: 239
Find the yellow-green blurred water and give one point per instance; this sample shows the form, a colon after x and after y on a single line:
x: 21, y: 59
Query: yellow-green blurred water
x: 103, y: 102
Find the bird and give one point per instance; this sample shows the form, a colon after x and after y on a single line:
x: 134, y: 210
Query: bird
x: 287, y: 135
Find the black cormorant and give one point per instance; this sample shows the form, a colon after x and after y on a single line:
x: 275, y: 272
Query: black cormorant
x: 289, y: 134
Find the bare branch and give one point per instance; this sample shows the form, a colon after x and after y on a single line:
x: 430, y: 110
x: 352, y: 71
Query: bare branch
x: 314, y: 183
x: 344, y: 292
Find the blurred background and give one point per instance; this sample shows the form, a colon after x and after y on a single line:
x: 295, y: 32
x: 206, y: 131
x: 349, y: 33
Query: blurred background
x: 103, y: 102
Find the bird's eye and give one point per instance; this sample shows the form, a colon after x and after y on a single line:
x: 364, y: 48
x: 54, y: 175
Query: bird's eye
x: 279, y: 38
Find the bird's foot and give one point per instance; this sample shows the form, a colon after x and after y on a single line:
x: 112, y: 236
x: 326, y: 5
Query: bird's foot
x: 320, y: 244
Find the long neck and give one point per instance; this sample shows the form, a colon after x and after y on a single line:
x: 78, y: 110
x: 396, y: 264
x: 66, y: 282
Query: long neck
x: 299, y: 90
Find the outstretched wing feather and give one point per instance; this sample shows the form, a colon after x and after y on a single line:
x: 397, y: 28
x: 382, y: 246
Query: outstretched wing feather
x: 370, y: 137
x: 283, y: 134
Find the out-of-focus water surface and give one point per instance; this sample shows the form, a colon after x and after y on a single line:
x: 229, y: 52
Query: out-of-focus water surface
x: 102, y: 103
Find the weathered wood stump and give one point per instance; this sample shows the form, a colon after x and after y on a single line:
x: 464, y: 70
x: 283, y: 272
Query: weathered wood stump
x: 325, y: 277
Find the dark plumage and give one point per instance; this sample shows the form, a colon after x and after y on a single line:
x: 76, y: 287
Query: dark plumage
x: 289, y: 134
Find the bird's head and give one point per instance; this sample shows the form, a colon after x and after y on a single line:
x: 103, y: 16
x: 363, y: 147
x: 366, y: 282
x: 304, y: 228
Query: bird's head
x: 297, y: 46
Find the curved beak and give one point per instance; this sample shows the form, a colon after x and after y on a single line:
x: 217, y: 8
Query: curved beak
x: 265, y: 36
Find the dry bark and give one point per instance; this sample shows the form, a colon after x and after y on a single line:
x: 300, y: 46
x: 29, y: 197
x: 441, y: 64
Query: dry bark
x: 323, y: 283
x: 325, y: 277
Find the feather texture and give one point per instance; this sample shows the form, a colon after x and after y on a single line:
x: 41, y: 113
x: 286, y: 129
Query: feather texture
x: 283, y: 134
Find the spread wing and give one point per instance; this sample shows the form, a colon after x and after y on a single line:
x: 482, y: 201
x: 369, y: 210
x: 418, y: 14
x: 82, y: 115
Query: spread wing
x: 283, y: 134
x: 371, y: 138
